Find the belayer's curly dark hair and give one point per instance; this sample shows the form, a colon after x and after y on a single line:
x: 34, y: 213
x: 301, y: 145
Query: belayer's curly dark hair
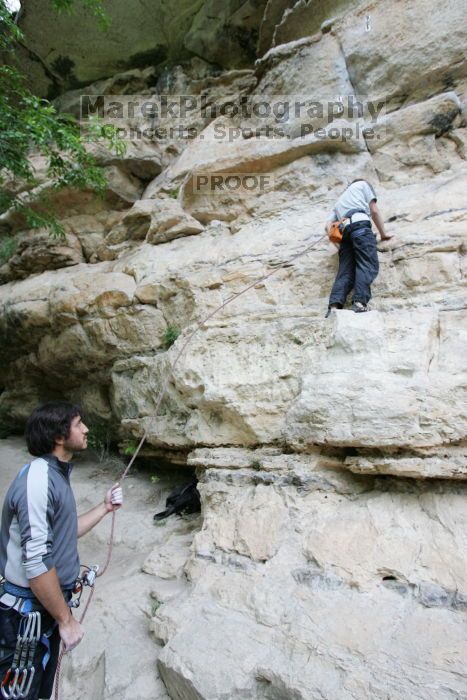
x: 48, y: 422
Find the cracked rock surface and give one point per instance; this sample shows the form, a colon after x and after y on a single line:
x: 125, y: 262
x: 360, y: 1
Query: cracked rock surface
x: 319, y: 585
x: 329, y: 561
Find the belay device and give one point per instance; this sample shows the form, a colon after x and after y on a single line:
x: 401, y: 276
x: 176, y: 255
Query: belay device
x: 87, y: 579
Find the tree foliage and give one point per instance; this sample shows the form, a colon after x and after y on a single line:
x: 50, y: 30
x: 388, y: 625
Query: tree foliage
x: 94, y: 6
x: 30, y: 124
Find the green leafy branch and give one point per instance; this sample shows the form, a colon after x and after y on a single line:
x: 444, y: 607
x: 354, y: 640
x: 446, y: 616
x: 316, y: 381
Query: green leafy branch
x: 30, y: 124
x: 94, y: 6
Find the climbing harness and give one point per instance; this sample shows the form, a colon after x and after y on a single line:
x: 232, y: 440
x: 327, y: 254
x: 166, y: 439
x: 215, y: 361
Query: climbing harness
x: 161, y: 395
x: 336, y: 229
x: 18, y: 679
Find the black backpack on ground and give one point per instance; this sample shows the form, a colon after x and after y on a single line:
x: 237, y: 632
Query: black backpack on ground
x: 183, y: 499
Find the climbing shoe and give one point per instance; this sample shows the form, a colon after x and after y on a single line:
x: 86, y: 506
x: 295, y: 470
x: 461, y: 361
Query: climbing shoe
x: 331, y: 307
x: 358, y: 307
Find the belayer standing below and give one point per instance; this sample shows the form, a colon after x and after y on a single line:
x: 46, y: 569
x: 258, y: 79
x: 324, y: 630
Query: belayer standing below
x: 39, y: 559
x: 358, y: 256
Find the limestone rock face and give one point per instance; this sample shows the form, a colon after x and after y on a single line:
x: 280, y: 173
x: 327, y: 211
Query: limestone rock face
x: 226, y: 32
x: 159, y: 221
x: 329, y: 561
x: 382, y: 59
x: 37, y: 251
x: 300, y: 19
x: 57, y: 58
x: 390, y: 410
x: 343, y: 602
x: 419, y: 137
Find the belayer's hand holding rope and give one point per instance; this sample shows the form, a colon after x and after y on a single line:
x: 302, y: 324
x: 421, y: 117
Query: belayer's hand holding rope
x: 114, y: 498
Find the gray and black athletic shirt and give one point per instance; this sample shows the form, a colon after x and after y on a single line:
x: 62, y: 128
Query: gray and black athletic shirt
x: 40, y: 524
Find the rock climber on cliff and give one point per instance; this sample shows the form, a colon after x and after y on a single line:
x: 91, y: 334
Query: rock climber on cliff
x: 358, y: 256
x: 39, y: 559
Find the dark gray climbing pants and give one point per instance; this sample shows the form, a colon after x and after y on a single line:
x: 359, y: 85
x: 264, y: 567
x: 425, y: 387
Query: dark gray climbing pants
x: 358, y: 264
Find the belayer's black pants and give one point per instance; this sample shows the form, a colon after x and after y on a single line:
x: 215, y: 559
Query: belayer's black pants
x: 42, y: 683
x: 358, y: 264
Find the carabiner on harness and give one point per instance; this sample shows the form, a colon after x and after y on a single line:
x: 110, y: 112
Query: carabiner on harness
x: 22, y: 668
x: 87, y: 579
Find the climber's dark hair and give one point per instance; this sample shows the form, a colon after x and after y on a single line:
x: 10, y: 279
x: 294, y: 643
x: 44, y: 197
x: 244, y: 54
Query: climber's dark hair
x: 48, y: 422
